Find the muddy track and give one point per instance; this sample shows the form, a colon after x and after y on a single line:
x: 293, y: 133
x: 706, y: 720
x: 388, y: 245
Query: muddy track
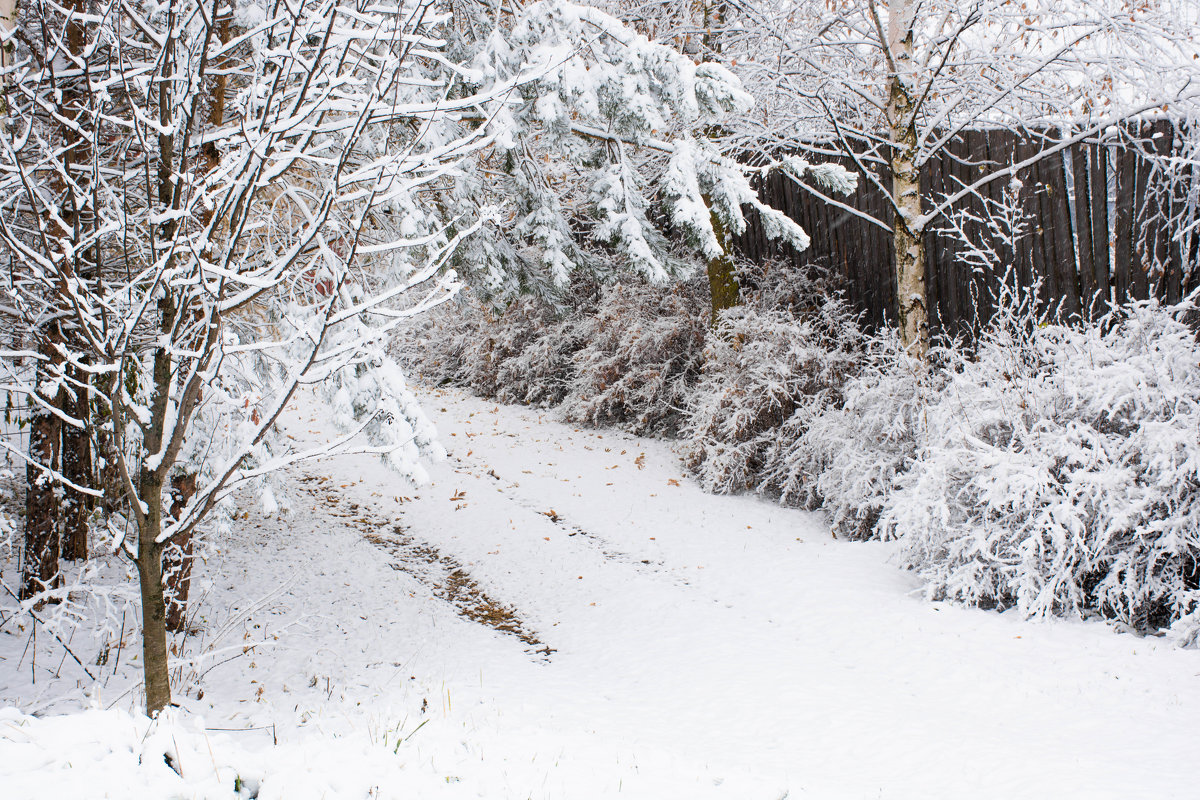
x: 446, y: 578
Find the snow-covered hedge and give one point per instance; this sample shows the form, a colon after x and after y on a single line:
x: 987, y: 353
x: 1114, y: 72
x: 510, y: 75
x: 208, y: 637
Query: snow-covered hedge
x: 852, y: 453
x: 1061, y: 472
x: 519, y: 355
x: 641, y: 355
x: 771, y: 367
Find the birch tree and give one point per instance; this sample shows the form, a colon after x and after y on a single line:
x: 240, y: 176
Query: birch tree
x: 891, y: 82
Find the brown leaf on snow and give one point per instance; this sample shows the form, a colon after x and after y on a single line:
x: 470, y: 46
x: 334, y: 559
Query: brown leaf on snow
x: 640, y: 461
x: 672, y: 482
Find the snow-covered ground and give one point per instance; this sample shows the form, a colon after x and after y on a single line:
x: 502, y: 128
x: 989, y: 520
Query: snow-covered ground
x: 562, y: 614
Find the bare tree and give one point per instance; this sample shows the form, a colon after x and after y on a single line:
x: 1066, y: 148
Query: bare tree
x: 269, y: 242
x: 206, y: 209
x: 891, y: 83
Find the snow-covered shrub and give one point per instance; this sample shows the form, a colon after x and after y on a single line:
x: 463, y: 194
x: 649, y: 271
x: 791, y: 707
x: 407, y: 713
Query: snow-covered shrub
x: 522, y: 354
x: 850, y: 456
x: 1061, y: 473
x: 465, y: 343
x: 432, y: 345
x: 540, y: 374
x: 642, y: 351
x: 772, y: 365
x: 486, y: 348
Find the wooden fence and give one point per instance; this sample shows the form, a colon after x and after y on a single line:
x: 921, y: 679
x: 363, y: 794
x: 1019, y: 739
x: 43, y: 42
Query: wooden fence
x: 1105, y: 221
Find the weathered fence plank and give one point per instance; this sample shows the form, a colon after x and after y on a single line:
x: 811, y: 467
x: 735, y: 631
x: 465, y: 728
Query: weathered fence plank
x: 1109, y: 233
x: 1085, y: 253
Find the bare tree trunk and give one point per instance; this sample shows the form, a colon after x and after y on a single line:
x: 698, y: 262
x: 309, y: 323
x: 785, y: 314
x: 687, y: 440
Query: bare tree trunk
x: 177, y: 556
x: 71, y: 442
x: 722, y: 278
x: 178, y: 559
x: 150, y: 524
x: 42, y: 547
x: 108, y: 474
x: 155, y: 666
x: 77, y: 468
x: 911, y: 310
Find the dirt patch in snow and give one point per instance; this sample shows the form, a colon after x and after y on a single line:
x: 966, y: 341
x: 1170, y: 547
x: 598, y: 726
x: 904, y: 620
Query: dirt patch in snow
x: 448, y: 579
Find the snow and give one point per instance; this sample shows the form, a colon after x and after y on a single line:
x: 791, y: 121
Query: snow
x: 676, y: 645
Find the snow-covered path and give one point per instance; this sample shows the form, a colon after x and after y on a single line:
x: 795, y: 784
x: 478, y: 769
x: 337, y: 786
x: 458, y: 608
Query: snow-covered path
x: 713, y: 646
x: 657, y: 643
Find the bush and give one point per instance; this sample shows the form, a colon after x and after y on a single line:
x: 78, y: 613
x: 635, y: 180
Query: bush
x: 519, y: 355
x: 772, y: 366
x: 541, y: 373
x: 433, y: 344
x: 641, y: 354
x: 627, y: 357
x: 852, y: 454
x: 1061, y: 470
x: 482, y: 350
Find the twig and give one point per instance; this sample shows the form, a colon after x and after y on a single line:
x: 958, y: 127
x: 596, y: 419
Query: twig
x: 120, y: 643
x: 64, y: 658
x: 58, y: 638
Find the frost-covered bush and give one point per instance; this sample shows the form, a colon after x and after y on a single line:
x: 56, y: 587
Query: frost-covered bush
x: 1061, y: 472
x: 641, y: 354
x: 771, y: 367
x: 483, y: 349
x: 432, y: 345
x: 522, y: 354
x: 542, y: 371
x: 852, y: 454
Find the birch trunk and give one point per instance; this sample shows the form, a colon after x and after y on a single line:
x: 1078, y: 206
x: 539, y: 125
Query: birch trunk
x: 908, y: 240
x: 8, y: 20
